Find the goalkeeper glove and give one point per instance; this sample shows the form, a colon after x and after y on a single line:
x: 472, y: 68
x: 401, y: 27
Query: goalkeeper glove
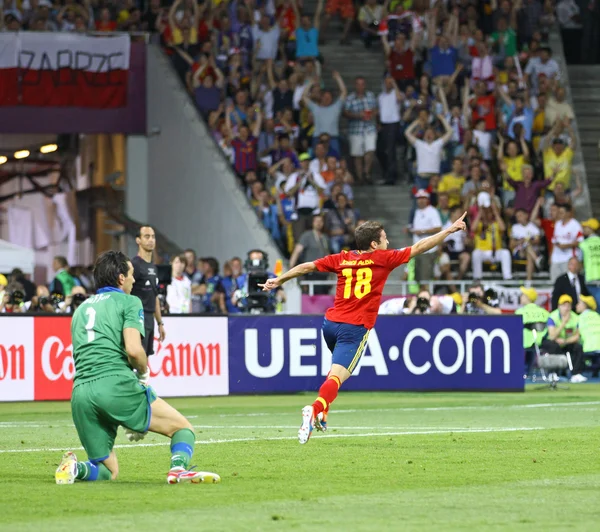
x: 133, y: 436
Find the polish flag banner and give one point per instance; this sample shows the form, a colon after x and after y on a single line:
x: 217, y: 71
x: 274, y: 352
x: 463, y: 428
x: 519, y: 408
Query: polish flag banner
x: 63, y: 70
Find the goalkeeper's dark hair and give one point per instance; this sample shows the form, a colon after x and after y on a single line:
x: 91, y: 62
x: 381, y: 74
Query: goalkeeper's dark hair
x: 109, y: 265
x: 367, y: 233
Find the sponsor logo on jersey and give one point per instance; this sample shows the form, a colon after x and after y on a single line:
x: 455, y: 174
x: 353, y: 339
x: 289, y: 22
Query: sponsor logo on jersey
x: 366, y: 262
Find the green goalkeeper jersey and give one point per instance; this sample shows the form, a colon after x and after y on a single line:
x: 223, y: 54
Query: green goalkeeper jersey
x: 97, y: 332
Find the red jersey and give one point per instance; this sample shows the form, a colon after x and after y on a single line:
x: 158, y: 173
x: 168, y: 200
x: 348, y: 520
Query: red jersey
x: 361, y: 278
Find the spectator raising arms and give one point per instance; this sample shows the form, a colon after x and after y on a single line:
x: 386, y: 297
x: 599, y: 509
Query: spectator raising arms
x: 361, y: 110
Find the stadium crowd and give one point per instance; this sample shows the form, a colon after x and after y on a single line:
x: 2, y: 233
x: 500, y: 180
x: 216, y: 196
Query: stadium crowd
x: 471, y: 113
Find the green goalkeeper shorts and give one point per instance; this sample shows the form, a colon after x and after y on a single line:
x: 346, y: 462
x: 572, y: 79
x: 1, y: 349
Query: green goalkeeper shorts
x: 99, y: 406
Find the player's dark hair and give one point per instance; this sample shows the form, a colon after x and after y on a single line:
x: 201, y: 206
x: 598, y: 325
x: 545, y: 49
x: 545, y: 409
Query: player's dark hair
x: 139, y: 231
x: 109, y: 265
x: 367, y: 233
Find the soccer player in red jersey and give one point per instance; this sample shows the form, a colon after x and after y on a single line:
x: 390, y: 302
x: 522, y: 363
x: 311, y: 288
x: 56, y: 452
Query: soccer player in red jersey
x: 361, y: 274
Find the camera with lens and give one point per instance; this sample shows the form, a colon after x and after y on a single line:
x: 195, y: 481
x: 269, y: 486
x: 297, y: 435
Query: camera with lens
x: 422, y: 306
x: 257, y: 300
x: 472, y: 306
x: 16, y: 297
x: 77, y: 300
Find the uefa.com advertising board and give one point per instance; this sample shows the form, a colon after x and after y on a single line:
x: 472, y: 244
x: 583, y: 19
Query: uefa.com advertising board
x: 277, y: 354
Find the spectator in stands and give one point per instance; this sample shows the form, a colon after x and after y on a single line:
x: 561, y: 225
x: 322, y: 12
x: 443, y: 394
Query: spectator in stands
x: 511, y: 165
x: 426, y: 221
x: 590, y: 249
x: 571, y: 283
x: 282, y: 171
x: 541, y: 65
x: 340, y: 223
x: 487, y: 232
x: 400, y: 59
x: 311, y: 246
x: 307, y: 33
x: 327, y: 112
x: 443, y: 55
x: 429, y: 151
x: 214, y: 298
x: 519, y: 112
x: 563, y: 336
x: 232, y: 283
x: 456, y: 244
x: 443, y: 206
x: 306, y: 189
x: 361, y: 110
x: 196, y: 280
x: 346, y: 12
x: 557, y: 108
x: 527, y: 191
x: 369, y: 17
x: 525, y: 241
x: 266, y: 38
x: 179, y: 290
x: 105, y: 22
x: 269, y: 214
x: 245, y: 144
x: 558, y: 156
x: 63, y: 281
x: 569, y: 18
x: 150, y: 16
x: 452, y: 184
x: 388, y: 104
x: 568, y: 233
x: 17, y: 276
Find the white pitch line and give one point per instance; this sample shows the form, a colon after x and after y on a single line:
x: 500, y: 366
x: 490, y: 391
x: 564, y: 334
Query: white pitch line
x: 277, y: 438
x: 267, y: 427
x: 430, y: 409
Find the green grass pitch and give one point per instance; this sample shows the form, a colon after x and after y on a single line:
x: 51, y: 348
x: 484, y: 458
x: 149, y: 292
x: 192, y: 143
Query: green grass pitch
x: 391, y: 461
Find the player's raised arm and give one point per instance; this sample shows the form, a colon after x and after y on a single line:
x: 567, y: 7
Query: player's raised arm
x: 426, y: 244
x: 135, y: 351
x: 296, y: 271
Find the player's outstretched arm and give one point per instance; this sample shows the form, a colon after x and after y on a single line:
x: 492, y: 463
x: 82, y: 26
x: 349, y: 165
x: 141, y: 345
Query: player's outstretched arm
x: 435, y: 240
x: 135, y: 352
x: 296, y: 271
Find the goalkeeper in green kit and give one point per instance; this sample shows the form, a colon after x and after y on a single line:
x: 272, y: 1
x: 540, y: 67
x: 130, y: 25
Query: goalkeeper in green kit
x: 110, y: 384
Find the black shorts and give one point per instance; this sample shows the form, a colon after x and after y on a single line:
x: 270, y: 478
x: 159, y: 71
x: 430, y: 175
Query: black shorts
x: 148, y: 341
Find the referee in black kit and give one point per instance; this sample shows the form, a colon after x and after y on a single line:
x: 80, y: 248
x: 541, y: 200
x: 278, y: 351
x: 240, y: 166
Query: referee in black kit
x: 146, y: 285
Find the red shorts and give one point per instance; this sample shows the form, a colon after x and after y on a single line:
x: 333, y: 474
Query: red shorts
x: 344, y: 7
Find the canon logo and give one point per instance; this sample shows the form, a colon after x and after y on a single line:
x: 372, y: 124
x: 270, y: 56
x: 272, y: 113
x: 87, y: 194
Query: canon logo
x: 12, y: 362
x: 185, y: 360
x: 57, y: 360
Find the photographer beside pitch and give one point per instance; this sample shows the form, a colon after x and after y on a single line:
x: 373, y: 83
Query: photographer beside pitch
x: 361, y: 274
x: 107, y: 332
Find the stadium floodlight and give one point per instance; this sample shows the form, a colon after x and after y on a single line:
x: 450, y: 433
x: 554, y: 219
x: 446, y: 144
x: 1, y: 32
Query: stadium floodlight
x: 3, y: 159
x: 48, y: 148
x: 21, y: 154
